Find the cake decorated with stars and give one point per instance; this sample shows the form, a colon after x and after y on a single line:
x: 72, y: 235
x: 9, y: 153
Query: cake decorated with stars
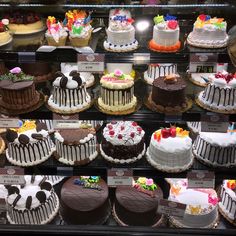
x: 208, y: 32
x: 117, y: 93
x: 137, y: 205
x: 170, y: 149
x: 84, y: 200
x: 34, y: 203
x: 201, y: 205
x: 5, y: 36
x: 120, y: 32
x: 219, y: 94
x: 29, y: 145
x: 165, y: 34
x: 69, y: 94
x: 123, y: 142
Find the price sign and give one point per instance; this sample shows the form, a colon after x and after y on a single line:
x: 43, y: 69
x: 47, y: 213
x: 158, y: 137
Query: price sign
x: 90, y: 62
x: 171, y: 208
x: 12, y: 176
x: 9, y: 122
x: 119, y: 177
x: 201, y: 179
x: 66, y: 122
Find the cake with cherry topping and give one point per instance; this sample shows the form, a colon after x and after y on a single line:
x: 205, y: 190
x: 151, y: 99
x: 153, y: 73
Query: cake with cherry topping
x: 123, y: 142
x: 5, y: 36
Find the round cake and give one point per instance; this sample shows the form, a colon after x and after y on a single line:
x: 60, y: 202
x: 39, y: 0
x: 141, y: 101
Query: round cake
x: 2, y: 145
x: 77, y: 146
x: 34, y: 203
x: 5, y: 36
x: 137, y: 205
x: 84, y: 200
x: 170, y: 150
x: 123, y: 142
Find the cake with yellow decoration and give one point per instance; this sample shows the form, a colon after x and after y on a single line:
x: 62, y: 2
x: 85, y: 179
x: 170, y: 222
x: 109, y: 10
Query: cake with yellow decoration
x: 5, y: 36
x: 29, y: 145
x: 208, y: 32
x: 201, y: 205
x: 170, y: 150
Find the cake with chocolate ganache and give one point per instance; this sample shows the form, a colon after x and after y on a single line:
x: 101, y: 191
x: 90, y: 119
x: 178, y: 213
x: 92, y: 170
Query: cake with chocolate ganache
x: 137, y: 205
x: 84, y: 200
x: 123, y: 142
x: 33, y: 203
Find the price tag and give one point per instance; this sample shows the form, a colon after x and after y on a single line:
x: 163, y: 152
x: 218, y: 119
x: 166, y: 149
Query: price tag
x: 90, y: 62
x: 171, y: 208
x: 220, y: 127
x: 12, y: 176
x: 201, y: 179
x: 3, y: 210
x: 9, y: 123
x: 119, y: 177
x: 141, y: 58
x: 66, y: 122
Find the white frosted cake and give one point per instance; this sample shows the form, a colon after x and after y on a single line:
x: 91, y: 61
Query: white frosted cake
x: 194, y: 126
x: 170, y: 150
x: 208, y: 32
x: 126, y: 68
x: 219, y: 95
x: 202, y: 205
x: 120, y: 32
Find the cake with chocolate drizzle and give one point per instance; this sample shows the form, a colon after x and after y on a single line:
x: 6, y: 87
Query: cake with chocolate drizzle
x: 35, y: 202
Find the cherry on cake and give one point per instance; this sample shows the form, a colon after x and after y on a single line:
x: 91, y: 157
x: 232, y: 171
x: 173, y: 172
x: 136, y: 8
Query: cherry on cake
x: 123, y: 142
x: 5, y: 36
x: 208, y: 32
x: 170, y: 150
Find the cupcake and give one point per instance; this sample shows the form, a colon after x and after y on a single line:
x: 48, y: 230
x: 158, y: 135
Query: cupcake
x: 56, y: 35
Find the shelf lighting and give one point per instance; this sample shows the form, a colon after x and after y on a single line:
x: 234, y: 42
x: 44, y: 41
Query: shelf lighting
x: 142, y: 25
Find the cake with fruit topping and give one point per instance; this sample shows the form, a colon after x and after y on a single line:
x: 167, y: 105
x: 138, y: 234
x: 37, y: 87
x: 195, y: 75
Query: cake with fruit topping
x: 117, y: 93
x: 227, y: 204
x: 5, y: 36
x: 137, y: 205
x: 69, y: 94
x: 219, y: 94
x: 170, y: 150
x: 120, y: 32
x: 34, y: 203
x: 123, y: 142
x: 29, y: 145
x: 165, y: 34
x: 208, y: 32
x: 201, y: 205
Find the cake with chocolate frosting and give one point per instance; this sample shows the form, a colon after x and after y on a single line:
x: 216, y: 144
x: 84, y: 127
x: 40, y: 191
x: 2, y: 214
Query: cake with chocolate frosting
x: 137, y: 204
x: 33, y: 203
x: 84, y: 200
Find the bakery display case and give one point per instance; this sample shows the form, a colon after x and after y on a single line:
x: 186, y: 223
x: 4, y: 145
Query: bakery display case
x: 117, y: 117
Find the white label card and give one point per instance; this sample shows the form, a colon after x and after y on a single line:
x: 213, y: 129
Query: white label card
x: 12, y: 176
x: 90, y: 62
x: 220, y: 127
x: 66, y: 122
x: 9, y: 123
x: 201, y: 179
x: 119, y: 177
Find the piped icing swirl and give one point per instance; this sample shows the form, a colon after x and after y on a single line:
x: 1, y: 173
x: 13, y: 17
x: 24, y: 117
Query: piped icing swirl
x: 223, y: 79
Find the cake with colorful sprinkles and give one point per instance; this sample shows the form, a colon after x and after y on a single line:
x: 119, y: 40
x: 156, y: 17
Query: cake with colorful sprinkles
x: 208, y: 32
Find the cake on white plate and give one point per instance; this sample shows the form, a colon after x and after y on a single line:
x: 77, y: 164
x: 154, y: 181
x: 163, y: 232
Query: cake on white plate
x: 120, y: 32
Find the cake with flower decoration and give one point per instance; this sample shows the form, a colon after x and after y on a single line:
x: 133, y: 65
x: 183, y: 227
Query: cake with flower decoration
x: 208, y: 32
x: 5, y: 36
x: 227, y: 204
x: 120, y: 32
x: 201, y: 205
x: 69, y: 94
x: 117, y: 93
x: 170, y: 149
x: 165, y: 34
x: 219, y: 94
x: 137, y: 205
x: 29, y: 145
x: 56, y: 35
x: 123, y: 142
x: 84, y: 200
x: 78, y: 23
x: 126, y: 68
x: 18, y: 91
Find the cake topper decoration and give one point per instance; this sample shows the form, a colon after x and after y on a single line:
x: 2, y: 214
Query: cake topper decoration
x: 23, y: 139
x: 41, y: 196
x: 89, y: 182
x: 170, y: 79
x: 145, y: 185
x: 16, y: 75
x: 170, y: 18
x: 208, y: 22
x: 4, y: 25
x: 167, y: 22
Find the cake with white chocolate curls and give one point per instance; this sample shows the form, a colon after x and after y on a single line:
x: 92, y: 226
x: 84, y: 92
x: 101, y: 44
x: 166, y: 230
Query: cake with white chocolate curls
x: 29, y: 145
x: 34, y: 203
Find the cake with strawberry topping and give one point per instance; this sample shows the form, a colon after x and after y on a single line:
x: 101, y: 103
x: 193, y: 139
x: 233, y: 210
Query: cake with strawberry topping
x: 123, y: 142
x: 219, y: 94
x: 170, y: 150
x: 5, y: 36
x: 165, y: 34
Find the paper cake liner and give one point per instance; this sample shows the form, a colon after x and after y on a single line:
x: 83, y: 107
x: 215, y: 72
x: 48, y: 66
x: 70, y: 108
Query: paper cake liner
x: 51, y: 41
x: 2, y: 145
x: 80, y: 42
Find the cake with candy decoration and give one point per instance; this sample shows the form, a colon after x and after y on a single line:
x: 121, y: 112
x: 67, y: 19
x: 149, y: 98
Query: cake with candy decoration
x: 137, y: 205
x: 29, y: 145
x: 208, y: 32
x: 5, y: 36
x: 219, y: 94
x: 165, y: 34
x: 170, y: 149
x: 34, y: 203
x: 84, y: 200
x: 123, y: 142
x: 201, y: 205
x: 120, y: 32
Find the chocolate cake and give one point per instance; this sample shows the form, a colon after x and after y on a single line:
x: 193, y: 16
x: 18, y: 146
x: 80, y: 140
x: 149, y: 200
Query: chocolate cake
x: 84, y: 200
